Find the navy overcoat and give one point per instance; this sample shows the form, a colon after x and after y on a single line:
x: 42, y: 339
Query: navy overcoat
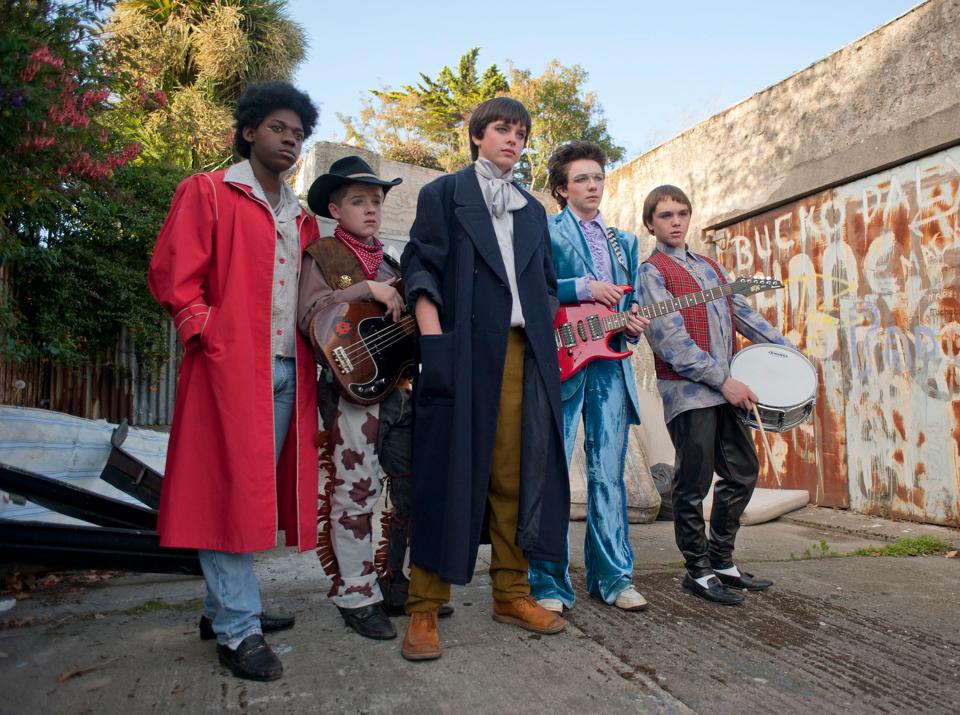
x: 453, y: 257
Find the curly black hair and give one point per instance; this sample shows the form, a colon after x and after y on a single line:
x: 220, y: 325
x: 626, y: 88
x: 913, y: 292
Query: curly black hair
x: 565, y: 155
x: 260, y: 99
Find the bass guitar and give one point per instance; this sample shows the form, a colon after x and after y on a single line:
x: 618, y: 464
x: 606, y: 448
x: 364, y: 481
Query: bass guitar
x: 583, y: 331
x: 366, y: 351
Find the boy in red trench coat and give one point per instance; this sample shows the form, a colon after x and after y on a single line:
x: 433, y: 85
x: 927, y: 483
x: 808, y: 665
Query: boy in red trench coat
x: 241, y: 462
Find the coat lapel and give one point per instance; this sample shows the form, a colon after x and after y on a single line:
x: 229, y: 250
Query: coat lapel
x: 570, y: 229
x: 474, y: 216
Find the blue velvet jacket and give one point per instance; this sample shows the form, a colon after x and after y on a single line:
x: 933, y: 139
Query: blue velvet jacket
x: 572, y: 260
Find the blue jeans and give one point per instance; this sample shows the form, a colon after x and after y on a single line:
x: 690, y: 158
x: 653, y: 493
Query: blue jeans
x: 233, y: 597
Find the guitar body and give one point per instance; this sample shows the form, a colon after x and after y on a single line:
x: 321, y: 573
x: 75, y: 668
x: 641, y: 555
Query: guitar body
x: 582, y: 337
x: 583, y: 331
x: 366, y: 352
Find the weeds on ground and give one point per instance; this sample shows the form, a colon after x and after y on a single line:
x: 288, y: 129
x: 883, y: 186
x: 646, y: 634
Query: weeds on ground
x: 820, y: 550
x: 907, y: 546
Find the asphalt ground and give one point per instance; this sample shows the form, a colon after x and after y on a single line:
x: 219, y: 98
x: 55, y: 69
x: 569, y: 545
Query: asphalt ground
x: 835, y: 634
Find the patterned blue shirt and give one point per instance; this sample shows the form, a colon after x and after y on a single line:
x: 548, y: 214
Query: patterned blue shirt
x: 705, y: 372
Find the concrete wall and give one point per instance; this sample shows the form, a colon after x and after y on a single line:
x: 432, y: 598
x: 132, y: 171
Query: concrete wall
x: 872, y: 120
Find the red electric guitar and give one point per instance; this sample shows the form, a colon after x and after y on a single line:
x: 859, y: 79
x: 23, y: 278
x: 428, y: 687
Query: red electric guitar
x: 583, y: 331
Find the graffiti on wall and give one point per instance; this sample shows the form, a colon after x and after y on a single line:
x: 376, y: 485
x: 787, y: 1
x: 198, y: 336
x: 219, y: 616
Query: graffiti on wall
x: 872, y: 296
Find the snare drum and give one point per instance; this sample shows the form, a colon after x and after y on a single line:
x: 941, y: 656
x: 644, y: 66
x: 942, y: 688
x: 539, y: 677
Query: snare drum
x: 785, y: 383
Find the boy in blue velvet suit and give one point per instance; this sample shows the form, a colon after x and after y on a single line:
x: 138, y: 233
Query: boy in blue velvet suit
x: 591, y: 262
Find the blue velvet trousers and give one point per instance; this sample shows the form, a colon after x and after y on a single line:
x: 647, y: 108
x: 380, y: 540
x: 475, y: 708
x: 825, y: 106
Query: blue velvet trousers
x: 602, y: 404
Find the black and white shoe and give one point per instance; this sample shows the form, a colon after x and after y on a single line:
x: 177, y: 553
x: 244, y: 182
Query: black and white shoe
x: 745, y: 581
x: 714, y: 591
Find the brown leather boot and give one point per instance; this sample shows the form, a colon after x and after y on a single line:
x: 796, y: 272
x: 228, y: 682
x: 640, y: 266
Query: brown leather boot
x: 422, y: 640
x: 527, y: 613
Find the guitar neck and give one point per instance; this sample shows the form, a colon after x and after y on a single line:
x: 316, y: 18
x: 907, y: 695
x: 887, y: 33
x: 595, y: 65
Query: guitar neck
x: 672, y: 305
x: 618, y: 321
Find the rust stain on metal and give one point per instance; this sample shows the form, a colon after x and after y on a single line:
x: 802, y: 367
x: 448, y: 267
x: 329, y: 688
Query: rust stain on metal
x: 898, y: 423
x: 956, y: 420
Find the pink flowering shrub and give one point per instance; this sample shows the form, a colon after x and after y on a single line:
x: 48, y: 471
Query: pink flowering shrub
x: 54, y: 92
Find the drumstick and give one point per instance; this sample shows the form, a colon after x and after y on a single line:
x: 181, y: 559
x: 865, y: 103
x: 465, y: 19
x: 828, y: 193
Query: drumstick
x: 766, y: 446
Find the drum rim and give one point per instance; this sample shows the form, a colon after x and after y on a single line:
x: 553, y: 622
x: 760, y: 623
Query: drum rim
x: 789, y: 349
x: 749, y: 419
x: 788, y: 407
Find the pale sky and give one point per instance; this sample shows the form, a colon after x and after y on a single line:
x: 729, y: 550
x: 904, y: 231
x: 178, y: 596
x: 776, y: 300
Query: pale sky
x: 657, y: 68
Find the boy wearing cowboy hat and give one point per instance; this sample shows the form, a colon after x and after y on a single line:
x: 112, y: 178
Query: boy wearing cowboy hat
x: 357, y: 440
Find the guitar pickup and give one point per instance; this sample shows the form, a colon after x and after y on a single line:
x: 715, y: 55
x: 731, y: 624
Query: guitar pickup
x: 596, y: 330
x: 342, y: 360
x: 566, y: 336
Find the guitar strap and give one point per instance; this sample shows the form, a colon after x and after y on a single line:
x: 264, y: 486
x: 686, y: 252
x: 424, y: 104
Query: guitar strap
x: 392, y: 262
x: 617, y: 251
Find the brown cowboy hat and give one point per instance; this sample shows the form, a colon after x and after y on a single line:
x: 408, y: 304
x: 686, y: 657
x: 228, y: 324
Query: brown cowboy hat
x: 348, y: 170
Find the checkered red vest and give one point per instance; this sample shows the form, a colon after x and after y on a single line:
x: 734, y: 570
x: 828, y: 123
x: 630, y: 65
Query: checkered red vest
x: 679, y: 282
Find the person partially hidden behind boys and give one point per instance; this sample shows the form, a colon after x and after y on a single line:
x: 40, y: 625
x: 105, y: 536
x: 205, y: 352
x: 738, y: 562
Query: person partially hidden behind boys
x: 692, y: 352
x: 242, y: 460
x: 488, y: 427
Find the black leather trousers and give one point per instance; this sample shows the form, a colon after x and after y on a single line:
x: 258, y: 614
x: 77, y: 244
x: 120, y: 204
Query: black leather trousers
x: 708, y: 440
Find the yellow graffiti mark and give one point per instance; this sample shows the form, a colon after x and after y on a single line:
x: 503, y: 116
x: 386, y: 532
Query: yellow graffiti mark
x: 844, y: 287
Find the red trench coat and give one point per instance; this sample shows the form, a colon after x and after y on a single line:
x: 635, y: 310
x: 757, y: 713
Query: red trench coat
x: 212, y: 271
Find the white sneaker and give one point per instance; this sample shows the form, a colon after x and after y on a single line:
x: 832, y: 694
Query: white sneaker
x: 630, y: 599
x: 552, y: 604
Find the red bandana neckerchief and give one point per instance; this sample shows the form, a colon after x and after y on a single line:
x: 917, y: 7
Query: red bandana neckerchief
x: 370, y: 255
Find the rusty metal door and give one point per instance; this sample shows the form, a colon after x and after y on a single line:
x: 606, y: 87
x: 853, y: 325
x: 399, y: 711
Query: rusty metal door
x: 872, y: 297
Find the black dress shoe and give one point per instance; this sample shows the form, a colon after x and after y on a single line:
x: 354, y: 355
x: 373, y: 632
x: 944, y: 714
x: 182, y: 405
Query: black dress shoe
x: 269, y: 622
x: 252, y: 659
x: 369, y: 621
x: 714, y: 591
x: 445, y: 611
x: 744, y: 581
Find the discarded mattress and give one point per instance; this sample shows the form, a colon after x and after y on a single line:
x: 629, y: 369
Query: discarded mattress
x: 70, y: 449
x: 765, y: 504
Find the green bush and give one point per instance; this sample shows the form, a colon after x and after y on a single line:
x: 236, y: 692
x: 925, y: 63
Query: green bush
x: 83, y: 274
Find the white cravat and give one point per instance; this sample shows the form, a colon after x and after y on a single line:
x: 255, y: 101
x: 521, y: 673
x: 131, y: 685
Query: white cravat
x: 498, y: 189
x: 503, y: 198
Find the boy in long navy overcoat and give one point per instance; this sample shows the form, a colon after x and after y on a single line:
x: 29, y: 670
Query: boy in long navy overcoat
x: 488, y: 436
